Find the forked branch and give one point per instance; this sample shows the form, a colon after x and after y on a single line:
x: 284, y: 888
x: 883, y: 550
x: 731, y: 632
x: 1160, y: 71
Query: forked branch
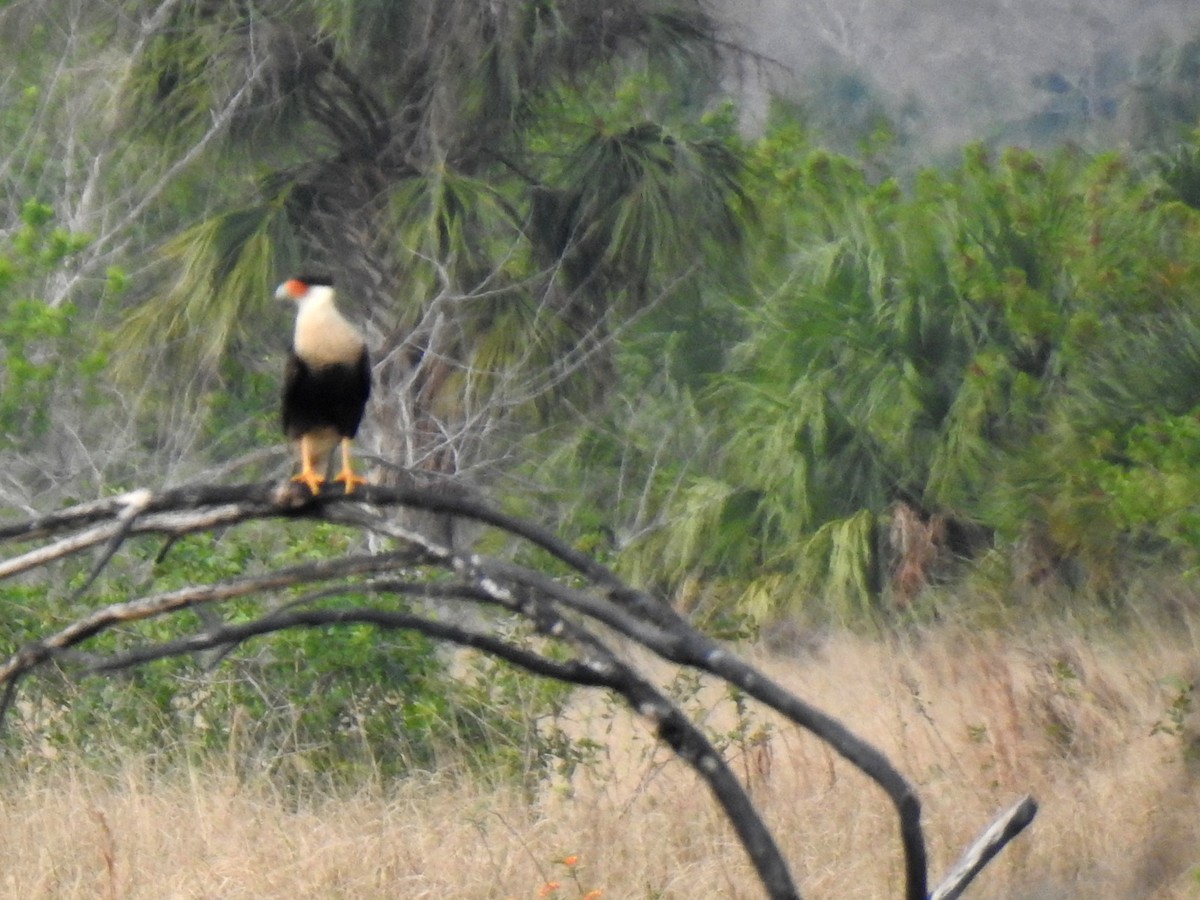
x: 573, y: 616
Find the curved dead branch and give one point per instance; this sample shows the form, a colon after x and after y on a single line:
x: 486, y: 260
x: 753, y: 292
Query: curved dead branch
x: 574, y: 616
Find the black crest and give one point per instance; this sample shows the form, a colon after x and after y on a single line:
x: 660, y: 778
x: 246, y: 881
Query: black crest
x: 316, y: 279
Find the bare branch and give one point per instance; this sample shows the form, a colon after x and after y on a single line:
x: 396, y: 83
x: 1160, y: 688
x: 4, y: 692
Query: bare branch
x: 135, y: 505
x: 34, y: 654
x: 571, y: 671
x: 564, y: 612
x: 1006, y: 827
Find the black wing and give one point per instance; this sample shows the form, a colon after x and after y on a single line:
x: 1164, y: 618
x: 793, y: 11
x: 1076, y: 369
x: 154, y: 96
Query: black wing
x: 328, y: 397
x: 357, y: 390
x: 294, y: 400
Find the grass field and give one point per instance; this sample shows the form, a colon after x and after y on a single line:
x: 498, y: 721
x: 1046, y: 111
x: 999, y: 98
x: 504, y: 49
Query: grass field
x: 1100, y: 731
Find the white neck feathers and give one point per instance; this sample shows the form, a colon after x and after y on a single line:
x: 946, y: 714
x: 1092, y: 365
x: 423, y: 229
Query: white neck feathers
x: 323, y: 336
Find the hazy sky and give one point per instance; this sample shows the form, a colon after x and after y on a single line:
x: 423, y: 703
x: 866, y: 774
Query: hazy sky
x: 969, y: 65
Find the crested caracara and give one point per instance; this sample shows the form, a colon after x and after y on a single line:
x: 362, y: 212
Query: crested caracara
x: 326, y: 383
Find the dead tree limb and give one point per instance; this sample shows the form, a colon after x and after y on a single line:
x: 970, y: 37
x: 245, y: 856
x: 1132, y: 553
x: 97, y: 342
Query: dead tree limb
x: 1006, y: 827
x: 569, y: 614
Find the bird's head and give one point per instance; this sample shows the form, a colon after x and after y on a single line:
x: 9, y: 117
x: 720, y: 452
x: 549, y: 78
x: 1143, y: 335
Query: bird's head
x: 305, y: 287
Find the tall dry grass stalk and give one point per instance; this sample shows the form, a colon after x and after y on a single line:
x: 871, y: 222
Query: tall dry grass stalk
x: 1093, y: 729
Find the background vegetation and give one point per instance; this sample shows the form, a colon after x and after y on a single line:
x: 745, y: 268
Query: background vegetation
x: 821, y: 364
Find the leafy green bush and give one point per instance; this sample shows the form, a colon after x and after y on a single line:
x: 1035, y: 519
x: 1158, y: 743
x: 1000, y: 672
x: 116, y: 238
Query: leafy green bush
x: 331, y: 703
x: 45, y: 350
x: 1007, y: 350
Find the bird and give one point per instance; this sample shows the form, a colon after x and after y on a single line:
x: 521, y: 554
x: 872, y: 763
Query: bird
x: 326, y: 384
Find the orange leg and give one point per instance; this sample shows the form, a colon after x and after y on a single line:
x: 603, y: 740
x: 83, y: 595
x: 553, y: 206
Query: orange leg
x: 347, y: 476
x: 308, y: 474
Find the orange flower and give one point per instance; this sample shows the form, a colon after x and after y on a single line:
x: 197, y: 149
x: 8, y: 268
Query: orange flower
x: 593, y: 895
x: 548, y: 888
x: 571, y: 861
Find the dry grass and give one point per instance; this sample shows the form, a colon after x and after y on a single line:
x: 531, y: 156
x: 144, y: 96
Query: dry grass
x: 975, y: 719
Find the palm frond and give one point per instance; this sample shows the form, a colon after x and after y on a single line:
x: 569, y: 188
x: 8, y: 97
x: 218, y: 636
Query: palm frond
x: 1180, y: 172
x: 836, y: 569
x: 643, y: 199
x: 220, y: 270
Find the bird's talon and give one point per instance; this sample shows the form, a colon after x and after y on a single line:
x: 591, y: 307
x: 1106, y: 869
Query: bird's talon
x: 311, y: 480
x: 350, y: 480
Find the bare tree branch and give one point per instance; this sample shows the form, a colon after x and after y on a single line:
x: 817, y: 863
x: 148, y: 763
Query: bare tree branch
x: 568, y: 611
x: 572, y: 671
x: 1006, y: 827
x: 37, y: 652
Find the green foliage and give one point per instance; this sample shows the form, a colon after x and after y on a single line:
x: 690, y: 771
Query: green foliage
x: 226, y: 266
x: 1180, y: 172
x: 615, y: 203
x: 334, y: 703
x: 27, y: 328
x: 319, y: 131
x: 576, y: 182
x: 741, y: 360
x: 47, y: 352
x: 1147, y: 476
x: 974, y: 349
x: 1182, y: 703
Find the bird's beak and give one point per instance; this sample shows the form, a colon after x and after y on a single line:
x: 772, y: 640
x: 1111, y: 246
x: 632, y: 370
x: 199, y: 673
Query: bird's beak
x: 281, y: 292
